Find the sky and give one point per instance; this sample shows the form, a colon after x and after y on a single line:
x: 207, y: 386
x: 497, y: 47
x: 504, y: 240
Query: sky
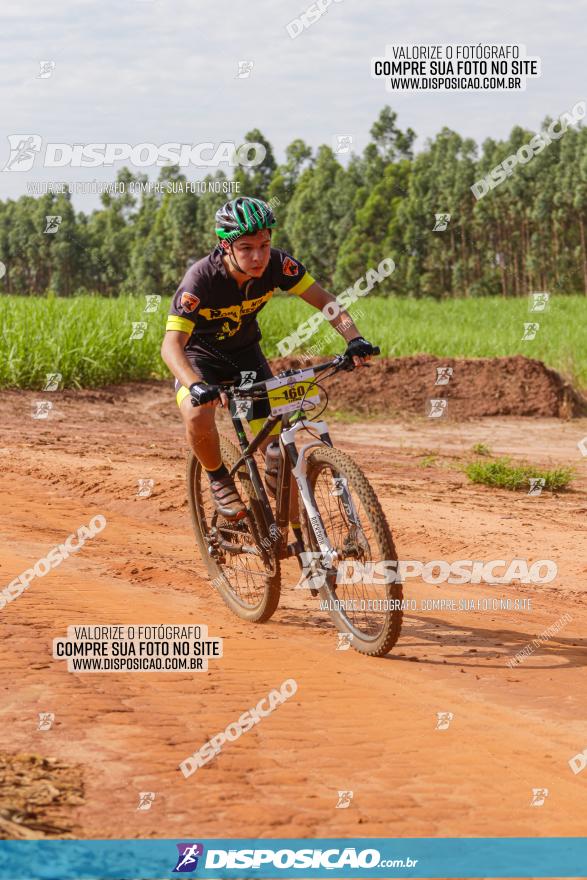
x: 158, y: 71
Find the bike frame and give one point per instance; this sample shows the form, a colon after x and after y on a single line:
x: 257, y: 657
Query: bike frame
x: 291, y: 463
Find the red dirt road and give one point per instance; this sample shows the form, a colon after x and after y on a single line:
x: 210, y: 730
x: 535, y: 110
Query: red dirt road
x: 355, y: 723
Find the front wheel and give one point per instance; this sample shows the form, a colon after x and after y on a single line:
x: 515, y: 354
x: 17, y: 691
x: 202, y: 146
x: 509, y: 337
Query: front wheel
x: 369, y: 611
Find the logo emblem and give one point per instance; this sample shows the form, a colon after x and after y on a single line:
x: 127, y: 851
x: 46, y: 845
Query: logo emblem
x: 342, y: 143
x: 441, y: 222
x: 53, y: 381
x: 443, y: 720
x: 153, y: 302
x: 344, y: 797
x: 23, y: 150
x: 146, y: 799
x: 289, y: 267
x: 443, y: 375
x: 187, y: 861
x: 46, y: 719
x: 247, y: 379
x: 240, y: 408
x: 41, y: 409
x: 47, y: 68
x: 53, y: 222
x: 189, y: 301
x: 530, y: 331
x: 339, y: 484
x: 312, y: 576
x: 244, y: 69
x: 536, y: 485
x: 539, y: 302
x: 437, y: 408
x: 538, y: 796
x: 145, y: 488
x: 138, y: 329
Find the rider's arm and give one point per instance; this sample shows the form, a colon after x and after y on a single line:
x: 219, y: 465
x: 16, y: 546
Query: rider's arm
x: 172, y: 352
x: 291, y: 275
x: 181, y: 320
x: 343, y: 323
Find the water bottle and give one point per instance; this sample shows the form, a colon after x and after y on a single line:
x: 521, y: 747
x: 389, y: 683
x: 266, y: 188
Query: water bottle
x: 272, y: 456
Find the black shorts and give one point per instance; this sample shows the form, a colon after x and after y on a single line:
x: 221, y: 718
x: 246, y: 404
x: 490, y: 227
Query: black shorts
x: 228, y: 367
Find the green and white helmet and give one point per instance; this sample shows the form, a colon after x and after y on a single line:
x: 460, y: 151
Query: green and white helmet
x: 243, y: 216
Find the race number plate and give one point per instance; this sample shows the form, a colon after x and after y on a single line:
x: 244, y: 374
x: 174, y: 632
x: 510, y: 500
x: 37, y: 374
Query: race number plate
x: 286, y: 393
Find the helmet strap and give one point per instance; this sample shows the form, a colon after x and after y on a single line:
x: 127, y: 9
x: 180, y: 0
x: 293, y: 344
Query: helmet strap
x: 231, y: 256
x: 233, y: 260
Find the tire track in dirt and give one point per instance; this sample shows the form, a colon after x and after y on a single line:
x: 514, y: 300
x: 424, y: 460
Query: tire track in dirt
x: 354, y: 724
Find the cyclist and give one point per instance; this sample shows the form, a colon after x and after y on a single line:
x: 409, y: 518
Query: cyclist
x: 212, y: 333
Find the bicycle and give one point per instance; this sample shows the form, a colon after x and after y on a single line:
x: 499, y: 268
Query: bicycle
x: 341, y: 519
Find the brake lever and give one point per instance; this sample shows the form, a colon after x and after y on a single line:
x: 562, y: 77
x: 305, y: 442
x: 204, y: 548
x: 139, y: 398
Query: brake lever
x: 351, y: 365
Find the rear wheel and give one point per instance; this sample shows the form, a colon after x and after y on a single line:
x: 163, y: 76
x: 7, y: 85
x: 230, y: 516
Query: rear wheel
x: 240, y: 558
x: 366, y: 611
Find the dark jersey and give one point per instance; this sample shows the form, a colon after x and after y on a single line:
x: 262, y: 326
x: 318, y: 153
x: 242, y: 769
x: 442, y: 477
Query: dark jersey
x: 210, y: 306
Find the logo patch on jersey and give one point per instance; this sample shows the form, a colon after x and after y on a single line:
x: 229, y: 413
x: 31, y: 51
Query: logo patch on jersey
x: 189, y: 301
x: 289, y: 267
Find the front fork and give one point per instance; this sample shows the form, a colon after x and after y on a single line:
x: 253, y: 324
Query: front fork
x: 298, y: 467
x: 323, y: 566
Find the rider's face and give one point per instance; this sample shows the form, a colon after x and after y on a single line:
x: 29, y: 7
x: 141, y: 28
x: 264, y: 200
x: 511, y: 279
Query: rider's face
x: 252, y: 252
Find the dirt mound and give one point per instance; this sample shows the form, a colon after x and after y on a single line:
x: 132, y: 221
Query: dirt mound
x: 36, y: 794
x: 508, y: 386
x: 477, y: 387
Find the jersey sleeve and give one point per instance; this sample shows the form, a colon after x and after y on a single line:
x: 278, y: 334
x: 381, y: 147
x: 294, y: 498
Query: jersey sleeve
x: 292, y: 275
x: 185, y: 305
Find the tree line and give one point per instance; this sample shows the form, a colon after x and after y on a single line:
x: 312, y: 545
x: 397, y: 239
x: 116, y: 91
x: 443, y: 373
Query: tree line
x: 338, y: 213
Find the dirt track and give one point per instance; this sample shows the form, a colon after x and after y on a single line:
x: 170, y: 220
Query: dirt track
x: 355, y: 723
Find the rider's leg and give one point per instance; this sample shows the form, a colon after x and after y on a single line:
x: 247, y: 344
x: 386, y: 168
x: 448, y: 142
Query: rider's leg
x: 202, y: 433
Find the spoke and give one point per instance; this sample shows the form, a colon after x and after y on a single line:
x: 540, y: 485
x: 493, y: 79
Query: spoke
x: 352, y: 542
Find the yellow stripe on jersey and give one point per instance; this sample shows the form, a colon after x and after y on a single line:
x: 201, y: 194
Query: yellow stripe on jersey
x: 302, y: 285
x: 176, y: 322
x: 250, y: 305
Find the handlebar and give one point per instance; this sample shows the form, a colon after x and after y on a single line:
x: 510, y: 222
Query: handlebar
x: 340, y: 362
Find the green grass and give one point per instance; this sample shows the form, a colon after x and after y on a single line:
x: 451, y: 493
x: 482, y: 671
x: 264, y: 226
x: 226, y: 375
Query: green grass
x: 487, y: 327
x: 501, y: 474
x: 87, y: 338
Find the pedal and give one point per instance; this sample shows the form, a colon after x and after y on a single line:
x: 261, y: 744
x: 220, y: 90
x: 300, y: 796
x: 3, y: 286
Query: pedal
x: 213, y: 544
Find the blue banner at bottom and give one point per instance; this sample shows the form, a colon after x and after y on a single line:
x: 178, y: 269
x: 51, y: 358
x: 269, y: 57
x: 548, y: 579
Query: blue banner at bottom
x: 469, y: 857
